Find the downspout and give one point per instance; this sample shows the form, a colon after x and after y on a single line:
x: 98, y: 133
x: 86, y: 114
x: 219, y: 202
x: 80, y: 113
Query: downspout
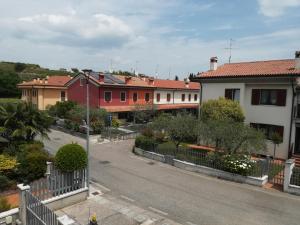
x: 290, y: 152
x: 200, y: 101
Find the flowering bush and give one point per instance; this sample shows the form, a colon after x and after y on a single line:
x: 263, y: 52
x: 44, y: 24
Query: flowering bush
x: 239, y: 164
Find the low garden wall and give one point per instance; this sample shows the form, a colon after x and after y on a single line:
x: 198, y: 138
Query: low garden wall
x: 257, y: 181
x: 9, y: 217
x: 288, y: 172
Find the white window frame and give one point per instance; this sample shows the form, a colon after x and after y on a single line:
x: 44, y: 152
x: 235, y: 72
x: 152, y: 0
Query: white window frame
x: 110, y: 96
x: 81, y: 81
x: 121, y: 95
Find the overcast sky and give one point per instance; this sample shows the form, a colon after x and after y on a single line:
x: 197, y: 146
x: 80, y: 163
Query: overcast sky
x: 167, y: 36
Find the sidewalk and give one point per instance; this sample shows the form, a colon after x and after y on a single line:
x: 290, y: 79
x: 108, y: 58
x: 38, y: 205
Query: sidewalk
x: 112, y: 211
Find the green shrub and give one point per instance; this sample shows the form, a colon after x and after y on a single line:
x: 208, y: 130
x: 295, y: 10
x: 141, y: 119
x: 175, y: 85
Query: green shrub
x: 160, y: 137
x: 239, y: 164
x: 4, y: 182
x: 71, y: 157
x: 4, y: 205
x: 97, y: 126
x: 115, y: 123
x: 145, y: 143
x: 167, y: 148
x: 147, y: 132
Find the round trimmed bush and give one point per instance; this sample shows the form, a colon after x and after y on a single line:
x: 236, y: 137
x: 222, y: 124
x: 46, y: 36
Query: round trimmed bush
x: 71, y: 157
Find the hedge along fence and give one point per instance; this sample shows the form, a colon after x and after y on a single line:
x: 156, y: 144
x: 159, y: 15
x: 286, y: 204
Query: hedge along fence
x: 237, y: 164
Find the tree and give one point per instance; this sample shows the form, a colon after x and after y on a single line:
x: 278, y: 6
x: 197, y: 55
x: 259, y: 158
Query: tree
x: 19, y: 67
x: 232, y: 137
x: 8, y: 85
x: 143, y: 113
x: 176, y: 78
x: 23, y: 122
x: 179, y: 128
x: 276, y: 139
x: 222, y: 110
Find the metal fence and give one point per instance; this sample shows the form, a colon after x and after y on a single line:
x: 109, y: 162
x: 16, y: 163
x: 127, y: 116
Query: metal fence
x: 259, y: 167
x: 37, y: 213
x: 295, y: 178
x: 57, y: 183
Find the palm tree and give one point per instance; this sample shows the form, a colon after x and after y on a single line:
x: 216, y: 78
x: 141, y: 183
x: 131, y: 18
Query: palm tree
x: 23, y: 122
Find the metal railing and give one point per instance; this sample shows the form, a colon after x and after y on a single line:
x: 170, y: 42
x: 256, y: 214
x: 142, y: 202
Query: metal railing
x: 295, y: 178
x: 57, y: 183
x: 37, y: 213
x: 259, y: 167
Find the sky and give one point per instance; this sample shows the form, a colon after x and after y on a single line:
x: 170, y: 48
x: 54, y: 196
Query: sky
x: 163, y: 38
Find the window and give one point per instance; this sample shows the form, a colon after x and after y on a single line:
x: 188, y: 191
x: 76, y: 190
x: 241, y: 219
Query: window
x: 81, y: 81
x: 107, y: 96
x: 190, y: 97
x: 62, y: 96
x: 168, y: 97
x: 123, y: 96
x: 268, y: 129
x: 268, y: 97
x: 34, y: 93
x: 135, y: 97
x: 232, y: 94
x: 158, y: 97
x: 183, y: 97
x: 195, y: 97
x: 147, y: 97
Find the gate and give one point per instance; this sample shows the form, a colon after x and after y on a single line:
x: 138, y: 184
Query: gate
x: 276, y: 171
x: 37, y: 213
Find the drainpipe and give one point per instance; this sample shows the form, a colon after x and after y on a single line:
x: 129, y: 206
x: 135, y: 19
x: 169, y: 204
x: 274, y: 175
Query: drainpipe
x: 200, y: 100
x: 290, y: 152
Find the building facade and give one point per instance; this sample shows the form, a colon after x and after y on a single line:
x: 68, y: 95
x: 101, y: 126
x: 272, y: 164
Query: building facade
x: 45, y: 92
x: 122, y: 95
x: 267, y: 92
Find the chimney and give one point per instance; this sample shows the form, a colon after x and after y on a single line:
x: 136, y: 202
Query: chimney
x: 187, y: 82
x: 101, y: 77
x: 127, y: 79
x: 151, y: 81
x: 47, y: 77
x: 297, y: 60
x: 213, y: 63
x: 34, y: 80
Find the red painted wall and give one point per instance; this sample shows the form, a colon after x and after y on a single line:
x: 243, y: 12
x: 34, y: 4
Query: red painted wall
x: 77, y: 94
x: 116, y: 96
x: 141, y: 96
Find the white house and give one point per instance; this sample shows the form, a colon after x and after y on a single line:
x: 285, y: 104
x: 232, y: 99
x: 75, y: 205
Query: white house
x: 171, y: 94
x: 268, y: 93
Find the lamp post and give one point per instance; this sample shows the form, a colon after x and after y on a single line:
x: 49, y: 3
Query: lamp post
x: 87, y: 77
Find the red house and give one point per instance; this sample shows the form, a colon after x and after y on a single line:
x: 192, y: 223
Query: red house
x: 116, y: 94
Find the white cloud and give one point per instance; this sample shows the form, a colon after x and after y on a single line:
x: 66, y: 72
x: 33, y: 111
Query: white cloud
x: 93, y: 31
x: 275, y: 8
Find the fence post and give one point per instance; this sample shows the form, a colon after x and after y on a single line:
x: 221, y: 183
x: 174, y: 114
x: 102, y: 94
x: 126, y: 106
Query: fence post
x: 288, y: 169
x: 22, y: 199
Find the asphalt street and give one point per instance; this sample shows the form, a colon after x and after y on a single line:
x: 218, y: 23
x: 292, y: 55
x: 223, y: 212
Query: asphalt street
x: 182, y: 196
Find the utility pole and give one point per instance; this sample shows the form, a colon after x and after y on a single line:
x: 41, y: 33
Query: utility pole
x: 87, y: 76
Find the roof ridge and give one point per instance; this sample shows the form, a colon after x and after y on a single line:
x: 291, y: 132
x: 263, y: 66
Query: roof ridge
x: 271, y: 60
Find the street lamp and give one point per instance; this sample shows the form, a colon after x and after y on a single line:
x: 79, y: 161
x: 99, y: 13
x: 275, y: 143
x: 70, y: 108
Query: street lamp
x: 87, y: 77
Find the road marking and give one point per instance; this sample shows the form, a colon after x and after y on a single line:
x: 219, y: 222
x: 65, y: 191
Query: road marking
x: 100, y: 186
x: 190, y: 223
x: 158, y: 211
x: 127, y: 198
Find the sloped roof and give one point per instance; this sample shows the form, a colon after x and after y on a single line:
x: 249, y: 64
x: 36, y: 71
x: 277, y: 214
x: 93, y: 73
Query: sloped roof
x: 50, y: 81
x: 174, y: 84
x: 254, y: 69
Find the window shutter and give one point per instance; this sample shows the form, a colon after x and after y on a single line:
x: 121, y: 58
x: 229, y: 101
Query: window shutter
x: 281, y: 97
x: 228, y: 94
x: 255, y: 96
x: 279, y: 130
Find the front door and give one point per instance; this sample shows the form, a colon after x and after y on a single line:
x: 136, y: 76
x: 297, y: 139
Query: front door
x: 297, y: 141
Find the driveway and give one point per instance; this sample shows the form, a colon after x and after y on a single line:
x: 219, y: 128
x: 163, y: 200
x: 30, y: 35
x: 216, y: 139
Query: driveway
x: 182, y: 196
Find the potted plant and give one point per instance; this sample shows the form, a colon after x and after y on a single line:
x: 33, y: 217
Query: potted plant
x: 93, y: 220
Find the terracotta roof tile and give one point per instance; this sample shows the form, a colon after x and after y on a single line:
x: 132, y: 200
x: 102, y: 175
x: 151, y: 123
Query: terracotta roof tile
x: 258, y: 68
x: 174, y: 84
x: 51, y: 81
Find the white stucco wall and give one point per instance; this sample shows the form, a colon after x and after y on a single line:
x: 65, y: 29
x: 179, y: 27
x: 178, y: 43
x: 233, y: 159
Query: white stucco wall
x: 265, y: 114
x: 176, y: 96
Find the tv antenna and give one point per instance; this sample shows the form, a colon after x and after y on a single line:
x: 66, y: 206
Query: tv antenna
x: 156, y: 71
x: 230, y: 48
